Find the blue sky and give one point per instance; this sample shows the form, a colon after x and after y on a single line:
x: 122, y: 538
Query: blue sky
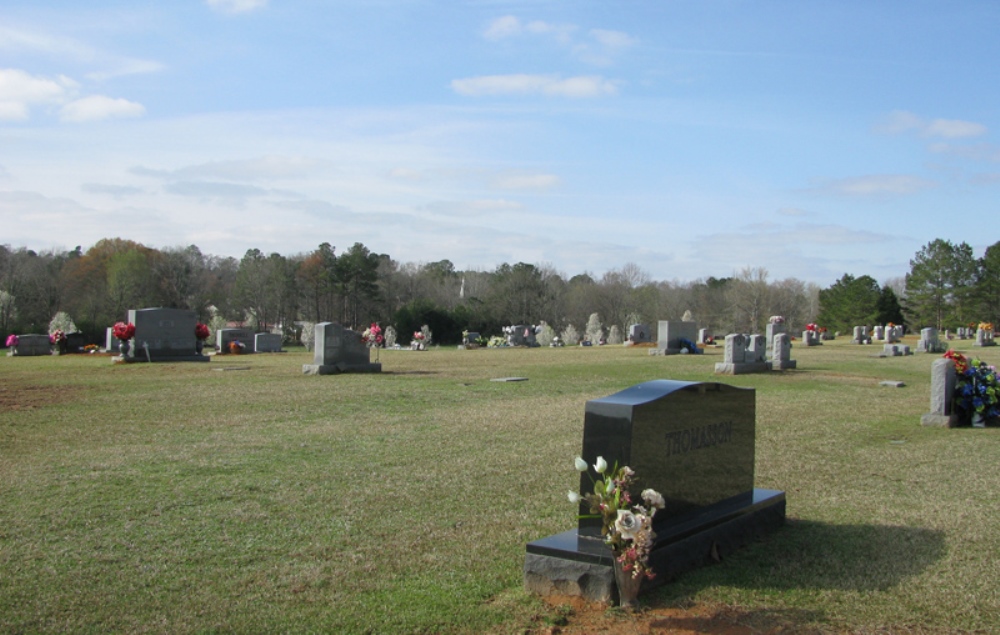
x: 692, y: 138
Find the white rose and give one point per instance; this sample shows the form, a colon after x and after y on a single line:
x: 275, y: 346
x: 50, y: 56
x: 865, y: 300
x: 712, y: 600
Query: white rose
x: 627, y: 523
x: 653, y: 498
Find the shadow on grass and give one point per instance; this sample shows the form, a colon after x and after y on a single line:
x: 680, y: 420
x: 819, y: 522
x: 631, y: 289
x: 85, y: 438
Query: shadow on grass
x: 810, y: 555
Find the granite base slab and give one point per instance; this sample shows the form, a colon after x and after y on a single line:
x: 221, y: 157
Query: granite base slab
x: 575, y: 565
x: 337, y: 369
x: 176, y: 358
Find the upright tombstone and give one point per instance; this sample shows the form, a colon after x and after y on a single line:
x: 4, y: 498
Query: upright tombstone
x: 339, y: 350
x: 861, y: 335
x: 781, y: 353
x: 670, y: 334
x: 164, y: 335
x: 702, y: 336
x: 111, y: 342
x: 895, y: 350
x: 811, y: 338
x: 878, y: 332
x: 743, y: 354
x: 75, y: 342
x: 225, y: 337
x: 772, y: 329
x: 893, y: 334
x: 694, y: 443
x: 984, y: 337
x: 32, y: 345
x: 929, y: 342
x: 267, y: 343
x: 521, y: 335
x: 943, y: 380
x: 639, y: 334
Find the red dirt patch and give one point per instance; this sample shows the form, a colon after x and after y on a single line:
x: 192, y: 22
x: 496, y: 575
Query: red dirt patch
x: 15, y: 396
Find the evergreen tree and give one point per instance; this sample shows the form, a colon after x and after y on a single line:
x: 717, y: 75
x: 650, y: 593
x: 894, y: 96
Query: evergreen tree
x: 939, y: 285
x: 850, y: 302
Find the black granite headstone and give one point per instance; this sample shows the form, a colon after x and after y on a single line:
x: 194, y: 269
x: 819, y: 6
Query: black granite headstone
x: 694, y: 443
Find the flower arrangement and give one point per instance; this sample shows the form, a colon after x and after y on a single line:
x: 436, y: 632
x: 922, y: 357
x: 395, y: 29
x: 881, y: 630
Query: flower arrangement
x: 201, y: 331
x: 417, y: 335
x: 977, y: 391
x: 627, y: 525
x: 57, y: 336
x: 687, y: 346
x: 91, y: 348
x: 776, y: 319
x: 11, y: 341
x: 372, y: 335
x: 123, y: 331
x: 986, y: 326
x: 812, y: 327
x: 497, y: 341
x: 236, y: 347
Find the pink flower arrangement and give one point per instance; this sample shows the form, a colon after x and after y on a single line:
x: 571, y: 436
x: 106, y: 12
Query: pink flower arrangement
x: 373, y: 335
x: 11, y: 341
x: 57, y: 336
x: 417, y: 335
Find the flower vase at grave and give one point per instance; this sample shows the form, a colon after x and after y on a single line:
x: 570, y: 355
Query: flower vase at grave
x: 978, y: 420
x: 199, y: 346
x: 123, y: 347
x: 628, y: 584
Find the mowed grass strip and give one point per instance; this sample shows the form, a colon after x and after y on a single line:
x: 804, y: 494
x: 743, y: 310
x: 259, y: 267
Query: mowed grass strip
x: 240, y: 495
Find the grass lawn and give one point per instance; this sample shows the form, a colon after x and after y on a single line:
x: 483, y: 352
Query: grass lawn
x: 242, y: 496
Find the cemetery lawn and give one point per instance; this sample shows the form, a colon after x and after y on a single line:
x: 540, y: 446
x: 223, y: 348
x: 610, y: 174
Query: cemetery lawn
x: 241, y: 496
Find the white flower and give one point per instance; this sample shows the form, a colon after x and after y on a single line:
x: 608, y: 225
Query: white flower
x: 627, y: 524
x: 601, y: 465
x: 574, y: 497
x: 581, y: 465
x: 653, y: 498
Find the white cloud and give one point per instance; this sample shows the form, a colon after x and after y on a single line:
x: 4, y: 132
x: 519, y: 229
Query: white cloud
x: 525, y: 181
x: 236, y: 6
x: 503, y: 27
x: 511, y: 26
x: 524, y: 84
x: 98, y: 107
x: 19, y: 91
x: 876, y: 185
x: 794, y: 211
x: 901, y: 121
x: 977, y: 152
x: 612, y: 39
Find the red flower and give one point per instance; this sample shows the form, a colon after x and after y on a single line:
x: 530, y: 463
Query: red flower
x: 201, y: 331
x: 123, y: 331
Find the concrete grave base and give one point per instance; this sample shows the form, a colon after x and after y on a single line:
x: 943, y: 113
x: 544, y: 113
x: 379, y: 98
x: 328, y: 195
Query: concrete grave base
x: 574, y: 565
x: 120, y: 359
x: 722, y: 368
x: 786, y: 365
x: 939, y: 421
x: 336, y: 369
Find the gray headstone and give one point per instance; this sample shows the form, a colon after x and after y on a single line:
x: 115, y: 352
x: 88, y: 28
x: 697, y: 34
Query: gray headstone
x: 736, y: 349
x: 32, y: 345
x: 111, y: 342
x: 639, y: 334
x: 781, y: 353
x: 225, y: 337
x: 164, y: 335
x: 339, y: 350
x: 943, y: 380
x: 770, y: 331
x: 267, y: 343
x: 669, y: 335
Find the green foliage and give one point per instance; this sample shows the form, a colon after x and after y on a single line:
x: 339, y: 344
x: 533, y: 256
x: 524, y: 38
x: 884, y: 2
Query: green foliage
x: 850, y: 302
x: 939, y: 286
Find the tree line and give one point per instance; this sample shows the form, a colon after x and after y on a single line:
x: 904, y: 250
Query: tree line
x: 355, y: 287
